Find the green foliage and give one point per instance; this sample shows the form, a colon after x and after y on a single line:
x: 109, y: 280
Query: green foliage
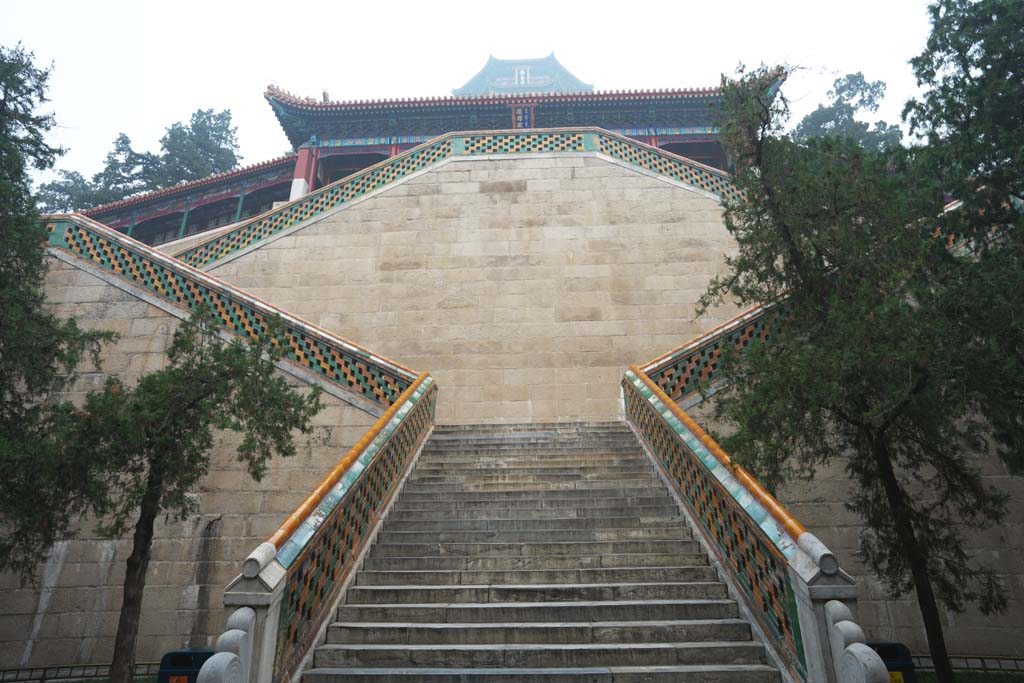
x: 160, y: 432
x: 971, y: 114
x: 38, y: 352
x: 850, y: 95
x: 125, y: 171
x: 203, y: 148
x: 897, y: 357
x: 207, y: 145
x: 129, y: 454
x: 72, y: 191
x: 132, y: 454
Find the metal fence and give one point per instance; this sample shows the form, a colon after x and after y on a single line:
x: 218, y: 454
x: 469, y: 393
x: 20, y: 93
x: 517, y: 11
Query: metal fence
x: 70, y: 673
x: 988, y: 664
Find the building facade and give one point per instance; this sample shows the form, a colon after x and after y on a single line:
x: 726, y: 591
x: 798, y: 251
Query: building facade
x: 335, y: 139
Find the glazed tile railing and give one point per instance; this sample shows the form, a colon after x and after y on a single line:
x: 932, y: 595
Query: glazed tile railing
x: 343, y: 368
x: 289, y: 584
x: 682, y: 372
x: 784, y: 575
x: 456, y: 145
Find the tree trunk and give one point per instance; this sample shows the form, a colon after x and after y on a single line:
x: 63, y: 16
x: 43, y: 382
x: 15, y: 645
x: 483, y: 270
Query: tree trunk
x: 122, y: 669
x: 917, y: 561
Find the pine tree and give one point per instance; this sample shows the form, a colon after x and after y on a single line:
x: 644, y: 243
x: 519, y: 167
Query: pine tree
x: 38, y: 352
x: 898, y: 357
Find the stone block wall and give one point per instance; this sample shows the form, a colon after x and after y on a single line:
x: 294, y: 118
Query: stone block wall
x: 72, y: 616
x: 524, y: 285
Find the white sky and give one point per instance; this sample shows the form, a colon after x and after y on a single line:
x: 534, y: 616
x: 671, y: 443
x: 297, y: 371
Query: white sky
x: 139, y: 66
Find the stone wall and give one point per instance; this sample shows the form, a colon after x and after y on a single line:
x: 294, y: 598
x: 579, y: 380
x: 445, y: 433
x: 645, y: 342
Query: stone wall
x: 818, y: 504
x: 524, y: 285
x: 72, y: 618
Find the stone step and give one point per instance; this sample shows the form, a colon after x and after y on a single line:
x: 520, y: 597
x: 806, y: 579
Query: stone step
x: 676, y: 532
x: 624, y: 441
x: 510, y: 514
x: 539, y: 655
x: 548, y: 430
x: 733, y: 630
x: 532, y: 549
x: 552, y: 523
x: 511, y: 462
x: 527, y: 503
x: 530, y: 426
x: 453, y: 475
x: 533, y: 562
x: 539, y: 436
x: 560, y: 479
x: 545, y: 464
x: 606, y: 489
x: 541, y: 452
x: 440, y: 442
x: 536, y: 576
x: 626, y: 444
x: 568, y: 498
x: 544, y: 433
x: 518, y: 612
x: 400, y: 595
x: 701, y: 673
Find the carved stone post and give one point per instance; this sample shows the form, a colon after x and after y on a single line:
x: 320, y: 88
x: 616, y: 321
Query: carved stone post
x: 259, y: 587
x: 817, y: 579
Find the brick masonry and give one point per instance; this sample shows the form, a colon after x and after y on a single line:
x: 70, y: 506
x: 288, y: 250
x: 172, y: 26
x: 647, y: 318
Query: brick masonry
x: 525, y: 286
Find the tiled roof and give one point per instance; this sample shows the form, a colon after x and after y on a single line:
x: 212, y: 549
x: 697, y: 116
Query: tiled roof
x: 516, y: 76
x: 283, y: 97
x: 188, y: 187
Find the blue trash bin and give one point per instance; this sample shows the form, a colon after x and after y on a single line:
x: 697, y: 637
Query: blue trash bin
x: 182, y: 666
x: 897, y: 660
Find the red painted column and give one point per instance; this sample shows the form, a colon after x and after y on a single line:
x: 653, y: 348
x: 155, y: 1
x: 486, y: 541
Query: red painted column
x: 304, y: 177
x: 393, y: 150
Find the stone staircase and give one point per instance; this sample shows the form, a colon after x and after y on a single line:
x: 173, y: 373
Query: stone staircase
x: 537, y: 553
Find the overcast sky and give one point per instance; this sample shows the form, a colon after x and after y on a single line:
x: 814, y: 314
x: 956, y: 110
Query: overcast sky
x: 136, y: 67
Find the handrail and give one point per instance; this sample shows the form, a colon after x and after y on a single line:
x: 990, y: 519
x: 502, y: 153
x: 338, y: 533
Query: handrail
x: 777, y: 510
x: 324, y: 550
x: 342, y: 364
x: 704, y: 337
x: 286, y: 529
x: 293, y: 579
x: 459, y: 145
x: 753, y: 548
x: 798, y: 588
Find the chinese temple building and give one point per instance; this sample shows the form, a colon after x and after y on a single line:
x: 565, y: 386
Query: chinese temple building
x: 335, y: 139
x: 190, y: 208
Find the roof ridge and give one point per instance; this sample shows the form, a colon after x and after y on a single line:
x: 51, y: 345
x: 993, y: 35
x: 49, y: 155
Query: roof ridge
x: 275, y: 92
x: 208, y: 180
